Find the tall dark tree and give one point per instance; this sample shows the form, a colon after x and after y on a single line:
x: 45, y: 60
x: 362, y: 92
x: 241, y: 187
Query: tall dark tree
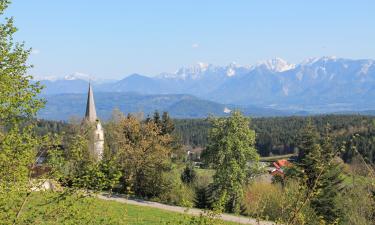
x: 309, y: 154
x: 330, y: 183
x: 167, y: 125
x: 189, y: 175
x: 322, y: 174
x: 156, y: 118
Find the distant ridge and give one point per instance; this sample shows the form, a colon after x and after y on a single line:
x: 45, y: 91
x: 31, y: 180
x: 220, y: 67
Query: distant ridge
x: 318, y: 85
x: 64, y: 106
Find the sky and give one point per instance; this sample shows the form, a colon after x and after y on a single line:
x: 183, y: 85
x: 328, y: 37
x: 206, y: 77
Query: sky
x: 114, y: 38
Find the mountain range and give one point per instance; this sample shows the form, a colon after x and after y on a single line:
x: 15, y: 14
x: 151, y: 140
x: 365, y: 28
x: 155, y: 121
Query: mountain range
x: 66, y: 106
x: 316, y: 85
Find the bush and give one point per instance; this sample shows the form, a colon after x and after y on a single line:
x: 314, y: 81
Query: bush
x: 272, y: 202
x: 262, y: 200
x: 188, y: 176
x: 357, y: 205
x: 175, y: 192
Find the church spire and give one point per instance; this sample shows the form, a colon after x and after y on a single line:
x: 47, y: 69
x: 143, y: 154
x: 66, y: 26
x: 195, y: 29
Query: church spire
x: 90, y: 107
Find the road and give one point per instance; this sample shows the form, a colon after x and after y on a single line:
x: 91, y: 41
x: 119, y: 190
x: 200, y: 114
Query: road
x: 191, y: 211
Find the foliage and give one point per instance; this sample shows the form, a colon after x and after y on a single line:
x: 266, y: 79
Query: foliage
x: 357, y: 205
x: 279, y: 135
x: 262, y: 200
x: 167, y: 125
x: 275, y: 136
x: 230, y: 149
x: 175, y: 191
x: 310, y: 154
x: 189, y: 175
x: 18, y: 103
x: 18, y: 94
x: 320, y: 174
x: 17, y: 153
x: 142, y: 153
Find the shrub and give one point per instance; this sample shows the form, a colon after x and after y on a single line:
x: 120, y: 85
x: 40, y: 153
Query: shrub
x: 357, y: 205
x: 189, y: 175
x: 175, y: 192
x: 262, y: 200
x: 272, y: 202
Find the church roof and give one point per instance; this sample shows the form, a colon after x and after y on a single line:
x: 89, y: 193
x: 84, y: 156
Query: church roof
x: 90, y: 107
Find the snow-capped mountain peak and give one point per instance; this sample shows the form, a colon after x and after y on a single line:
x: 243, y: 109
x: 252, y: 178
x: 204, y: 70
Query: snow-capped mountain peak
x: 79, y: 76
x: 49, y: 78
x: 189, y: 72
x: 313, y: 60
x: 277, y: 65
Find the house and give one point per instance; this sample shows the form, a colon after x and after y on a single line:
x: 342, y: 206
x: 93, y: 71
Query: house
x: 279, y: 166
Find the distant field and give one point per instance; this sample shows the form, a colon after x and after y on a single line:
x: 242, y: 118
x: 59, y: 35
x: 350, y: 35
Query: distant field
x: 274, y: 158
x: 94, y: 211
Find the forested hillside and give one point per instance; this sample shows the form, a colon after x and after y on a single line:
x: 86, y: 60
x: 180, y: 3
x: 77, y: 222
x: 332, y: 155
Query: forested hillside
x: 277, y: 135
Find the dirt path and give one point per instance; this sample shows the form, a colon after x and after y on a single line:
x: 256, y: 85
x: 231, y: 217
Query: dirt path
x: 193, y: 211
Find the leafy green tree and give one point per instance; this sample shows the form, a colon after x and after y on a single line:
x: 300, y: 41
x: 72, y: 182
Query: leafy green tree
x: 229, y: 152
x: 143, y: 154
x: 18, y: 103
x: 75, y: 166
x: 18, y: 94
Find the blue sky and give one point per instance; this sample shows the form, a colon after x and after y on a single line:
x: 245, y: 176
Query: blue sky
x: 114, y: 38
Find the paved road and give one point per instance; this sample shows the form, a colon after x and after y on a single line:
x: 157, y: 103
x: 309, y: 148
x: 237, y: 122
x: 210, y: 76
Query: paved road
x: 193, y: 211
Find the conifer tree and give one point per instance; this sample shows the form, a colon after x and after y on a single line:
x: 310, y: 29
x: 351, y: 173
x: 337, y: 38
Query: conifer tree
x: 330, y: 182
x: 167, y: 125
x: 156, y: 118
x: 309, y: 154
x: 321, y: 173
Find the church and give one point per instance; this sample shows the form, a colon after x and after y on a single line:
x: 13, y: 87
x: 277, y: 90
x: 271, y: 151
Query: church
x: 96, y: 137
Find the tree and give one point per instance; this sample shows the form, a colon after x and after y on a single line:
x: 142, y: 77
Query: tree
x: 309, y: 154
x: 321, y: 172
x: 330, y: 183
x: 18, y: 103
x: 189, y: 175
x: 167, y: 126
x: 156, y: 118
x: 18, y: 94
x: 230, y: 150
x: 143, y: 154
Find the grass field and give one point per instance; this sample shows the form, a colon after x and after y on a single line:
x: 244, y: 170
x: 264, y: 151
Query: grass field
x: 276, y: 157
x: 42, y: 209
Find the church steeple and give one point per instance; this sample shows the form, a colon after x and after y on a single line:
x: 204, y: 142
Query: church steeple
x: 96, y: 140
x: 90, y: 115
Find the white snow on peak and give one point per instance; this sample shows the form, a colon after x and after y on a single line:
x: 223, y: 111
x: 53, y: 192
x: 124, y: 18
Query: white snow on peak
x: 79, y: 76
x: 227, y: 110
x: 277, y: 65
x: 49, y: 78
x: 203, y: 66
x: 191, y: 72
x: 365, y: 67
x: 313, y: 60
x: 231, y: 72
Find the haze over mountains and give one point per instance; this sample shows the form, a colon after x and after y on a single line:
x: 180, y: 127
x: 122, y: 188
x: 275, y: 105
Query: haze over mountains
x: 316, y: 85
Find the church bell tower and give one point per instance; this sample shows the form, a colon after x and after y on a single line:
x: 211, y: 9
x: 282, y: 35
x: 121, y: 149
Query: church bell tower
x: 96, y: 140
